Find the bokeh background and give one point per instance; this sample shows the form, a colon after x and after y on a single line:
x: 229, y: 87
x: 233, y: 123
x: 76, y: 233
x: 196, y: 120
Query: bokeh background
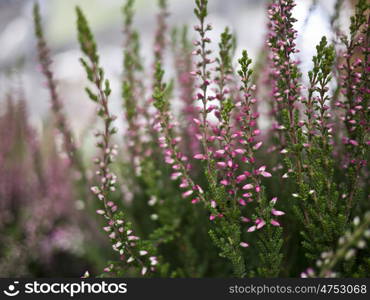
x: 18, y: 60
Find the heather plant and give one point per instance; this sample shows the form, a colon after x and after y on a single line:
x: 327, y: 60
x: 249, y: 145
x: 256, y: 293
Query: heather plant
x: 348, y: 245
x: 38, y: 223
x: 56, y: 102
x: 203, y: 181
x: 119, y: 230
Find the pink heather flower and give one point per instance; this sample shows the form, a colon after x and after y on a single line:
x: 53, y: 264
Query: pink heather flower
x: 100, y: 212
x: 353, y: 142
x: 107, y: 228
x: 221, y: 164
x: 198, y: 136
x: 240, y: 178
x: 143, y: 252
x: 242, y: 202
x: 247, y: 195
x: 187, y: 193
x: 211, y: 217
x: 169, y: 160
x: 266, y: 174
x: 198, y: 188
x: 239, y: 151
x: 252, y: 228
x: 213, y: 204
x: 195, y: 200
x: 248, y: 186
x: 184, y: 184
x: 256, y: 132
x: 277, y: 212
x: 245, y: 219
x: 199, y: 156
x: 258, y: 189
x: 260, y: 224
x: 257, y: 146
x: 274, y: 223
x: 220, y: 152
x: 230, y: 163
x: 262, y: 169
x: 244, y: 244
x: 175, y: 175
x: 95, y: 190
x: 273, y: 200
x: 196, y: 121
x: 224, y: 182
x: 143, y: 270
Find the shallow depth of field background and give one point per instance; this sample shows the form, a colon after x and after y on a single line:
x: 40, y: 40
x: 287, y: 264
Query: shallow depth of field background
x: 18, y: 63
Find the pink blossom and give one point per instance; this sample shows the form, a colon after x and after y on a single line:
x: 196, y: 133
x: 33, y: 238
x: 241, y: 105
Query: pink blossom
x: 257, y: 146
x: 245, y: 219
x: 242, y: 202
x: 252, y: 228
x: 248, y: 186
x: 175, y: 175
x: 353, y: 142
x: 240, y: 178
x: 220, y: 152
x: 266, y: 174
x: 239, y: 151
x: 260, y: 224
x: 224, y: 182
x: 274, y: 222
x: 200, y: 156
x: 277, y: 212
x: 187, y: 193
x: 221, y: 164
x: 273, y: 200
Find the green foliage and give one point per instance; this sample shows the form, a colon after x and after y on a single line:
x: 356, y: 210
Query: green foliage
x: 201, y: 11
x: 86, y: 38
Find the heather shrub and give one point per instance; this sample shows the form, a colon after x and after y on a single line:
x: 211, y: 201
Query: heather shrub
x: 195, y: 186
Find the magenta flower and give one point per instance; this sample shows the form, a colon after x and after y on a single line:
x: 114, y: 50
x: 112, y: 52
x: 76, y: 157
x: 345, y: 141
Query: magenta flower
x: 277, y: 212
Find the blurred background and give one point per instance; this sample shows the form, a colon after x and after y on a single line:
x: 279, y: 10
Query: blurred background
x: 18, y: 62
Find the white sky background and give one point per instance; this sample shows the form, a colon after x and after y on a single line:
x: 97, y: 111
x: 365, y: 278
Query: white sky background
x: 245, y: 17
